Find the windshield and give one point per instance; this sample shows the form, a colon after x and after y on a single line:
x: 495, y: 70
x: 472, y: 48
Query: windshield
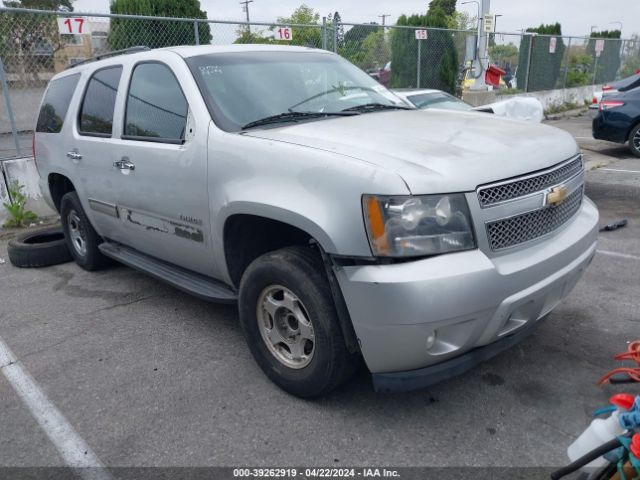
x: 438, y: 100
x: 245, y: 87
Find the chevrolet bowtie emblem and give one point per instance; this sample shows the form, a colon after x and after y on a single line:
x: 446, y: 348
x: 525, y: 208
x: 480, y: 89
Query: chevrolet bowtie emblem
x: 557, y: 195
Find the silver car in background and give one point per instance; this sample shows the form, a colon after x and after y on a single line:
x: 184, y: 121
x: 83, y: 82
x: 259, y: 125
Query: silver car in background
x: 345, y: 224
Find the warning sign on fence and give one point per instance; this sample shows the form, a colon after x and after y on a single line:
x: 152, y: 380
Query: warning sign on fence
x: 421, y: 34
x: 599, y: 47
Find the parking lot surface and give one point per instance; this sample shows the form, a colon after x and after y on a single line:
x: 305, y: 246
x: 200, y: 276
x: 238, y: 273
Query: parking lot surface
x: 150, y: 376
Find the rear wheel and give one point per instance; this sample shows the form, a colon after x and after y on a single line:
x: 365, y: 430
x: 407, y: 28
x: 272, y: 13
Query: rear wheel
x: 290, y: 323
x: 634, y: 140
x: 81, y: 238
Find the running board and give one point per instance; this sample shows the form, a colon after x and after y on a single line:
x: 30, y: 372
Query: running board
x: 194, y: 283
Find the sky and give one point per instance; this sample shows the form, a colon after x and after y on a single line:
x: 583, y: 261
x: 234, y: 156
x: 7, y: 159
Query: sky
x: 576, y: 16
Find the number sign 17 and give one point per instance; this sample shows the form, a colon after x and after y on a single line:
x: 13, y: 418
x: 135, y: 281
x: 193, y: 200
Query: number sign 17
x: 284, y: 33
x: 73, y: 26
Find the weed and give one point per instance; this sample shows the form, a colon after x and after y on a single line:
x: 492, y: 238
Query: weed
x: 19, y: 217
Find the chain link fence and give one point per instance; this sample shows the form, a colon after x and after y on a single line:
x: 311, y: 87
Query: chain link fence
x: 33, y: 49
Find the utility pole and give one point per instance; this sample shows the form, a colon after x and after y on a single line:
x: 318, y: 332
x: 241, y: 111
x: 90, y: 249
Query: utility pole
x: 245, y: 8
x: 384, y: 17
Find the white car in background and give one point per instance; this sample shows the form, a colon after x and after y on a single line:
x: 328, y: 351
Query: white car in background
x: 521, y: 108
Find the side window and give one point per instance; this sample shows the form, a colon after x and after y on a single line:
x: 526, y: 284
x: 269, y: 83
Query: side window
x: 96, y: 113
x: 156, y: 107
x: 56, y: 103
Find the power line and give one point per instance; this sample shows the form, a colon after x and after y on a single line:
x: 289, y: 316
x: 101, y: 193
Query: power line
x: 383, y: 17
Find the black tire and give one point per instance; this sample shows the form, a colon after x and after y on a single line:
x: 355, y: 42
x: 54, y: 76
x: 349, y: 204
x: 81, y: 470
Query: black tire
x: 634, y: 140
x: 90, y: 258
x: 300, y: 270
x: 40, y: 248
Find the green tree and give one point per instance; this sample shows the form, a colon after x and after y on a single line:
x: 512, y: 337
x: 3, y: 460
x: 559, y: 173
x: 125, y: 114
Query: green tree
x: 630, y: 56
x: 439, y: 57
x: 244, y: 36
x: 544, y: 71
x: 579, y: 70
x: 356, y: 52
x: 608, y: 63
x: 447, y: 6
x: 305, y: 36
x: 503, y: 55
x: 127, y: 32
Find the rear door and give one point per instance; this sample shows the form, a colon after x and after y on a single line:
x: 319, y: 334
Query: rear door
x: 162, y: 165
x: 90, y: 149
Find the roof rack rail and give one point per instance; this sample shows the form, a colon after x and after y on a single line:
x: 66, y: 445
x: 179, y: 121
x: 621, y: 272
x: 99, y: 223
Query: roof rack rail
x: 124, y: 51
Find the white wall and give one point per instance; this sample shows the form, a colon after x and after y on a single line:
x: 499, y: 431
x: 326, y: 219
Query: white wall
x: 551, y: 98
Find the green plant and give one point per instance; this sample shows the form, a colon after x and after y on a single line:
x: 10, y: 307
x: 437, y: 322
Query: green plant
x: 16, y: 208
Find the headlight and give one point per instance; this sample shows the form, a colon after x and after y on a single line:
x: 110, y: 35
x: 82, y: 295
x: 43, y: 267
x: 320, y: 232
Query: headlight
x: 411, y: 226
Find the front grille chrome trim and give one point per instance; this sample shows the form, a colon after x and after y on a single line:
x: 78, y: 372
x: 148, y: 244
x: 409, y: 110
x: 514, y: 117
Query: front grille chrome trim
x: 514, y: 231
x: 516, y: 188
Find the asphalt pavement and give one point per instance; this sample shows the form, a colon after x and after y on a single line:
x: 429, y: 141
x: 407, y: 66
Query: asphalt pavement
x: 149, y: 376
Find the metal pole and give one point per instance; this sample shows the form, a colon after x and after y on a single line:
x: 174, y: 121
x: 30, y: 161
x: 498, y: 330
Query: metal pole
x: 567, y: 63
x: 419, y: 63
x: 335, y: 35
x: 526, y: 76
x: 595, y: 69
x: 196, y: 32
x: 324, y: 33
x: 7, y: 100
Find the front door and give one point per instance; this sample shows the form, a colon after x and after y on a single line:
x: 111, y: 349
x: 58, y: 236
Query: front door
x: 162, y: 164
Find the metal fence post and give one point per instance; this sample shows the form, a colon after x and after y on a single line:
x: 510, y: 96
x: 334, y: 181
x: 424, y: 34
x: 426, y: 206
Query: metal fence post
x: 335, y: 35
x: 324, y: 33
x: 526, y: 76
x: 196, y: 32
x: 7, y: 100
x: 567, y: 64
x: 419, y: 63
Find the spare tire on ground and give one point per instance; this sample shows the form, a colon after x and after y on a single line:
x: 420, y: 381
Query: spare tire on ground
x: 39, y: 248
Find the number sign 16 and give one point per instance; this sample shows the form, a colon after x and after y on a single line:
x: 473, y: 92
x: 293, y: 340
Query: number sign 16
x: 73, y: 26
x: 284, y: 33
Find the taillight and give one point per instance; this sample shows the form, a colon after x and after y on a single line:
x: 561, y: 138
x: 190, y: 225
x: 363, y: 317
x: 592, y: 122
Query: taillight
x: 607, y: 88
x: 609, y: 104
x: 594, y: 101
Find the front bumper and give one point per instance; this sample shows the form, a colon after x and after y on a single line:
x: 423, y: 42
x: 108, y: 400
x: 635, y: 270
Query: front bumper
x: 468, y: 299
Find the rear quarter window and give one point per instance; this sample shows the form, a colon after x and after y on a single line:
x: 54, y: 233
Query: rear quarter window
x: 56, y: 103
x: 96, y: 113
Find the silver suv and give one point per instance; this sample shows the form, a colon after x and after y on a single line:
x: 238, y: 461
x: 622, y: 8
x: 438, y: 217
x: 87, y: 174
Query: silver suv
x: 345, y: 224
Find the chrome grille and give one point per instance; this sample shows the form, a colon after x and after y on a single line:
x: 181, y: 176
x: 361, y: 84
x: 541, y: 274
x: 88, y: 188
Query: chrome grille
x: 506, y: 191
x: 528, y: 226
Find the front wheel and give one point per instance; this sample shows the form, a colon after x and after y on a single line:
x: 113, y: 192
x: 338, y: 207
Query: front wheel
x: 290, y: 322
x: 634, y: 141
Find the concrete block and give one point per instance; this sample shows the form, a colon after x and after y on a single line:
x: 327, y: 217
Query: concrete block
x: 24, y: 170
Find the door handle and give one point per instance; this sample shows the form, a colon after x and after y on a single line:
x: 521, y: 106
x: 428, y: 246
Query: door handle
x: 124, y: 164
x: 74, y: 155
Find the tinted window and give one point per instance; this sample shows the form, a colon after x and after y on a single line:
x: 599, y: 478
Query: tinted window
x: 56, y: 103
x: 156, y: 107
x: 96, y: 115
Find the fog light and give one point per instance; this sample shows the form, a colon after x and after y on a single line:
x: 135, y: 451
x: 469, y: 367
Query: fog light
x: 431, y: 341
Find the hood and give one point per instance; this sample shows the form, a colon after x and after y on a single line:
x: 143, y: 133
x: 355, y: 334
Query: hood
x: 434, y: 151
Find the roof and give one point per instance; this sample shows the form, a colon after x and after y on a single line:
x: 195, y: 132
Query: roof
x: 193, y: 50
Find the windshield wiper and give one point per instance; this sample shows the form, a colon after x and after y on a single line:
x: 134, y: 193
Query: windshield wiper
x: 372, y: 107
x: 294, y: 116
